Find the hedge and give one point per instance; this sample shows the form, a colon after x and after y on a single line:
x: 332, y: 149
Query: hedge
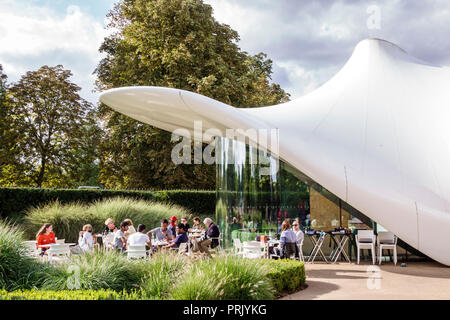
x: 286, y: 275
x: 14, y: 202
x: 67, y: 295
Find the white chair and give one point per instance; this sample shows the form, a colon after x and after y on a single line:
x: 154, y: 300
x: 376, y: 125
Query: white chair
x: 253, y: 250
x: 60, y: 241
x: 183, y: 248
x: 57, y: 251
x: 387, y: 240
x: 365, y: 239
x: 31, y: 249
x: 238, y: 249
x: 136, y: 252
x: 108, y: 241
x: 300, y: 251
x: 217, y: 248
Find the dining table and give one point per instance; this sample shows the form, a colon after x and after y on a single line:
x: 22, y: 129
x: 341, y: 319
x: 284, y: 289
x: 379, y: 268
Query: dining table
x: 51, y: 244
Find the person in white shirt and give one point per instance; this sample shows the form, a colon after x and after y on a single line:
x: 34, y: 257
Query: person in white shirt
x: 140, y: 238
x: 298, y: 232
x: 86, y: 240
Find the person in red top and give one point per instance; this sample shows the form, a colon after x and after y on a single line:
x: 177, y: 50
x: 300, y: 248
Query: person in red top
x: 173, y: 219
x: 45, y: 235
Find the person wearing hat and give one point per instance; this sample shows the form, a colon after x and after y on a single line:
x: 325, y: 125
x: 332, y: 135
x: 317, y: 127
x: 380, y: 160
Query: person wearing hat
x: 172, y: 226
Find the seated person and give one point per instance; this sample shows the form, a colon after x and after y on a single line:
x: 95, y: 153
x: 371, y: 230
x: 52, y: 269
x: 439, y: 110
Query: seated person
x: 86, y: 240
x: 45, y: 236
x: 180, y: 238
x: 288, y: 241
x: 185, y: 224
x: 298, y: 232
x: 131, y: 228
x: 120, y: 241
x: 110, y: 226
x: 162, y: 233
x: 139, y: 238
x: 172, y: 226
x: 211, y: 232
x: 197, y: 225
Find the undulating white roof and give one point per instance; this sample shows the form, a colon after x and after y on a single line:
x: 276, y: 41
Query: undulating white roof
x: 377, y: 135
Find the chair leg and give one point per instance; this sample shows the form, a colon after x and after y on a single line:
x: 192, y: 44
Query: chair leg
x: 373, y: 254
x: 381, y: 255
x: 357, y: 259
x: 395, y: 256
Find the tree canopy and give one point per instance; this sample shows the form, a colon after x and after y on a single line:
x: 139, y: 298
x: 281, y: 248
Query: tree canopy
x: 53, y: 131
x: 178, y: 44
x: 6, y: 136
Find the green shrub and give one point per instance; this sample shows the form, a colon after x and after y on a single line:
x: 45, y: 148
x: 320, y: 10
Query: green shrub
x: 100, y: 269
x: 285, y: 275
x: 163, y: 270
x: 14, y: 202
x: 67, y: 295
x: 223, y: 278
x: 17, y: 270
x: 165, y: 275
x: 68, y: 219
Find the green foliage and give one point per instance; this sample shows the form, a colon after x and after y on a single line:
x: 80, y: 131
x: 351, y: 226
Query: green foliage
x: 17, y: 270
x: 68, y: 219
x: 110, y: 275
x: 164, y: 270
x: 285, y: 275
x: 224, y: 278
x: 54, y: 131
x: 97, y: 270
x: 67, y: 295
x: 14, y: 202
x: 7, y: 136
x: 177, y: 44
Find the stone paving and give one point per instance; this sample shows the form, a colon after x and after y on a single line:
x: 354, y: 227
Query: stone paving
x: 345, y: 281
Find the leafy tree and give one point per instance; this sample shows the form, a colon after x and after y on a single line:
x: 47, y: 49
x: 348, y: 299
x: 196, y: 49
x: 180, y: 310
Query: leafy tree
x: 178, y: 44
x: 3, y: 79
x: 55, y: 131
x: 7, y: 137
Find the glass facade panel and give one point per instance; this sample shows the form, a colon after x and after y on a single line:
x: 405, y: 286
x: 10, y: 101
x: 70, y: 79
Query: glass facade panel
x: 256, y: 192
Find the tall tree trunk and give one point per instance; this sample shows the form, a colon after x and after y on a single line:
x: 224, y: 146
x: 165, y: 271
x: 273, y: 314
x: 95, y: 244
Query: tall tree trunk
x: 41, y: 174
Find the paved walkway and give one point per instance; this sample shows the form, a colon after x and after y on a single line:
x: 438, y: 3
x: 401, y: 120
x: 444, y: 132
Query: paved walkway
x: 344, y: 281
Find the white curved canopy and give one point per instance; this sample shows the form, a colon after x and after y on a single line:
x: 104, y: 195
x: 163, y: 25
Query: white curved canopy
x: 377, y: 135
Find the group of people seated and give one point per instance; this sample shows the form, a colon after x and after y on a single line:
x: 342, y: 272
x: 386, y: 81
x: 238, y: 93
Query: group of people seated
x: 290, y: 239
x: 45, y: 237
x: 169, y: 235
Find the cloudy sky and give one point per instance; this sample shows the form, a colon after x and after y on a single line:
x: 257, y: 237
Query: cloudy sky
x: 308, y: 41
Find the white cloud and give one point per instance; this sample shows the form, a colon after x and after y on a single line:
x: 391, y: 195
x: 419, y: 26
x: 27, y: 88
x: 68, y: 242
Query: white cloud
x: 32, y: 36
x: 309, y: 41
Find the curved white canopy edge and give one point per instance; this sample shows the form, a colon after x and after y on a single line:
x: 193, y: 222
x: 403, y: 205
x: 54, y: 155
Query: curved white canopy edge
x: 377, y: 135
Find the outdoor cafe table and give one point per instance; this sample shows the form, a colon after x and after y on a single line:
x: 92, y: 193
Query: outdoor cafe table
x: 194, y: 237
x: 339, y: 245
x: 159, y: 244
x: 317, y: 245
x: 51, y: 244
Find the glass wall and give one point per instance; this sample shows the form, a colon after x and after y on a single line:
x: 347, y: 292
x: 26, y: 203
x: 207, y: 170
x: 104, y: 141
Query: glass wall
x: 247, y: 190
x: 256, y: 192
